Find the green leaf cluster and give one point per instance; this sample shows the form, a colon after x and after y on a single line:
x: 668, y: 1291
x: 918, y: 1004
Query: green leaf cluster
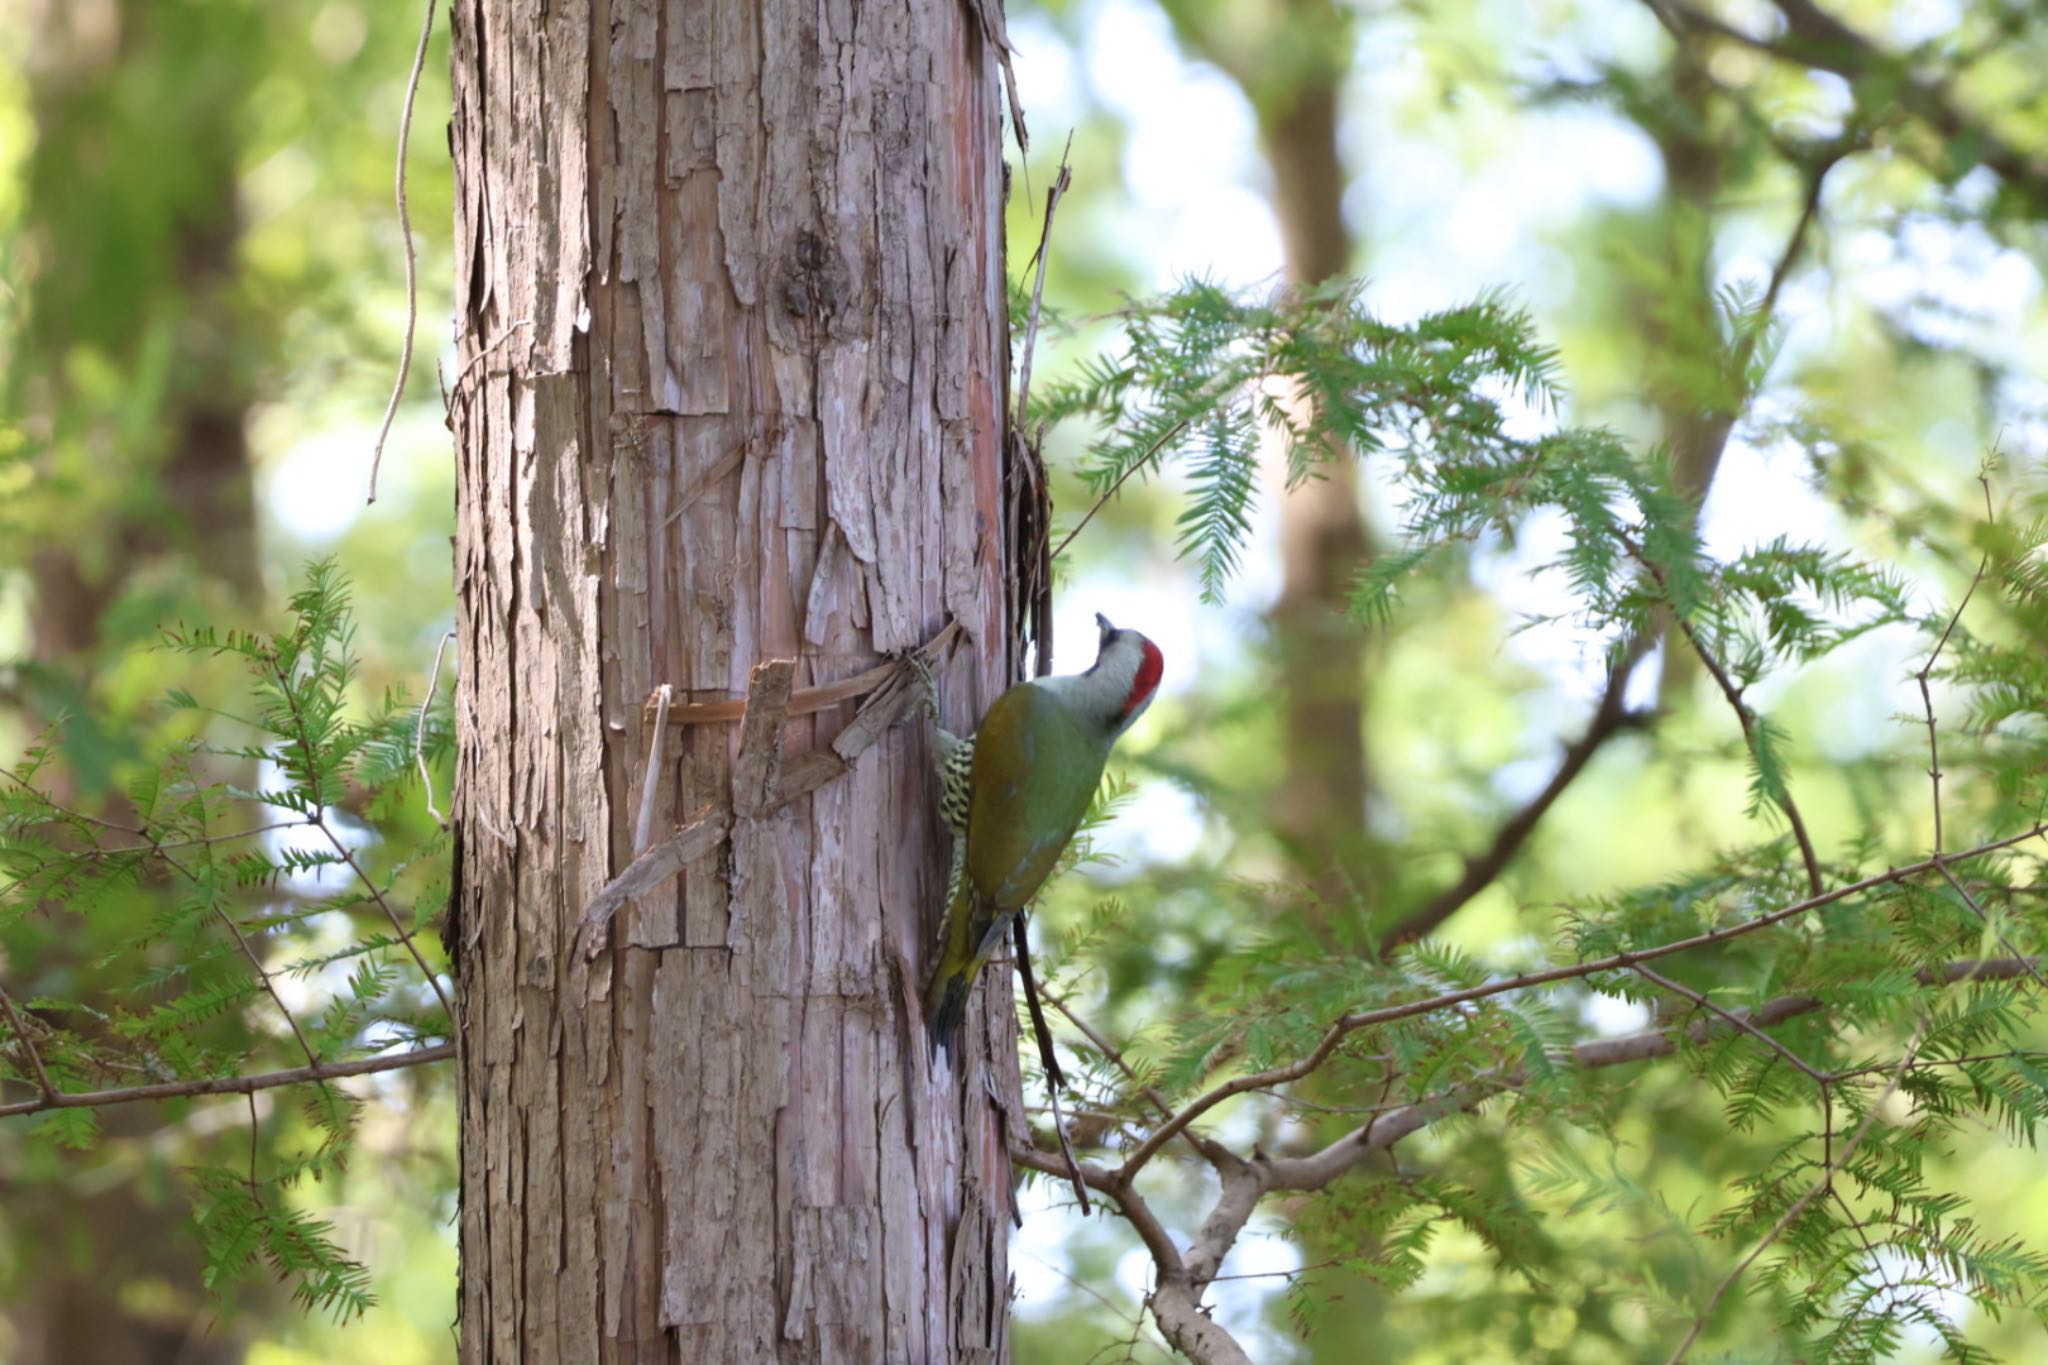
x: 273, y: 939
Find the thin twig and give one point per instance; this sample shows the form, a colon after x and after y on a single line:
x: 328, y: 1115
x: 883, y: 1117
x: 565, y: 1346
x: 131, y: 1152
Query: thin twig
x: 1934, y: 656
x: 412, y: 265
x: 1800, y: 1205
x: 1109, y: 1050
x: 1140, y: 463
x: 1286, y: 1274
x: 1348, y: 1024
x: 231, y: 1085
x: 1743, y: 715
x: 1208, y: 1147
x: 317, y: 816
x: 150, y: 843
x: 405, y: 936
x: 1747, y: 717
x: 1934, y: 743
x: 242, y: 942
x: 1060, y: 184
x: 2018, y: 1054
x: 1985, y: 920
x: 28, y: 1046
x: 1090, y: 1290
x: 419, y: 733
x: 1735, y: 1021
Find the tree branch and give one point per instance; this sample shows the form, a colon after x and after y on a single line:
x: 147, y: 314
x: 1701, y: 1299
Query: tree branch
x: 1136, y: 1211
x: 28, y: 1046
x: 1744, y: 715
x: 230, y: 1085
x: 1817, y: 40
x: 1612, y: 717
x: 1348, y: 1024
x: 1182, y: 1277
x: 1176, y: 1299
x: 1799, y: 1206
x: 1609, y: 720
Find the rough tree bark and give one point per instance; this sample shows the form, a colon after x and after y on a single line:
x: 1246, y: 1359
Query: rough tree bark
x: 734, y: 373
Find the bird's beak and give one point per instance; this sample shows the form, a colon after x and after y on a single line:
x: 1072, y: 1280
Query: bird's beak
x: 1103, y: 622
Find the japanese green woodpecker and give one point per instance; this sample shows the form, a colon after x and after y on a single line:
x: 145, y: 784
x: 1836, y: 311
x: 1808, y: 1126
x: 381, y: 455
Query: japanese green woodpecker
x: 1014, y: 794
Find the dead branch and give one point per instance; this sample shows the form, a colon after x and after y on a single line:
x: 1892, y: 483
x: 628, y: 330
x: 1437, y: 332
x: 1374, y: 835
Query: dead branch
x: 412, y: 264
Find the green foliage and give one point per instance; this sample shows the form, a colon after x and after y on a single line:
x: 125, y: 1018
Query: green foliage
x: 238, y: 1228
x: 1206, y: 376
x: 1860, y: 991
x: 273, y: 939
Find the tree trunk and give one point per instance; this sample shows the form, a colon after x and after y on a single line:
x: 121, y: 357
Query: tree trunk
x: 1319, y: 808
x: 1685, y: 364
x: 734, y: 375
x: 1291, y: 58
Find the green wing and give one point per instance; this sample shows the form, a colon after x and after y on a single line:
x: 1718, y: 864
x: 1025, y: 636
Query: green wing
x: 1035, y: 771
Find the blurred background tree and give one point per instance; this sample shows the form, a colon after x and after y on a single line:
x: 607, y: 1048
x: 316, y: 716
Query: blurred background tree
x: 1801, y: 247
x: 200, y: 304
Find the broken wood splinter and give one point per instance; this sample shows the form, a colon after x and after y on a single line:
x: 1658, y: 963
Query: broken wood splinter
x: 762, y: 783
x: 804, y: 701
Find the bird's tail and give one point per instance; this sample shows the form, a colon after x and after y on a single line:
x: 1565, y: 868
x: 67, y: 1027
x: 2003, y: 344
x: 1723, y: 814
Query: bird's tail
x: 945, y: 1010
x: 967, y: 937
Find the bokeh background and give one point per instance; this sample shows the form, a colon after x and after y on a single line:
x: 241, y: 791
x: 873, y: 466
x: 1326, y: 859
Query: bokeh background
x: 201, y: 301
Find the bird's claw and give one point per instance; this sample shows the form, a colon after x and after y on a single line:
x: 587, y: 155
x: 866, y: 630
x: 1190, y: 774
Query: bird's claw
x: 931, y: 684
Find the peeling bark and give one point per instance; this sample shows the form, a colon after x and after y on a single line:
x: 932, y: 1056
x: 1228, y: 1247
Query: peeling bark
x: 754, y: 413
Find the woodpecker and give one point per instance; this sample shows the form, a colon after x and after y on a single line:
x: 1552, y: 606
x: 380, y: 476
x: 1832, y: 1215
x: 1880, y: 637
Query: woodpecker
x: 1013, y: 794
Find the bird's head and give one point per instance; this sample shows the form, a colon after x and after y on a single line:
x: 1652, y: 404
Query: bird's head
x: 1125, y: 675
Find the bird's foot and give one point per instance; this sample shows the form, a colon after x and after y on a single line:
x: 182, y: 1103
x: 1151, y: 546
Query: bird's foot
x: 931, y: 685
